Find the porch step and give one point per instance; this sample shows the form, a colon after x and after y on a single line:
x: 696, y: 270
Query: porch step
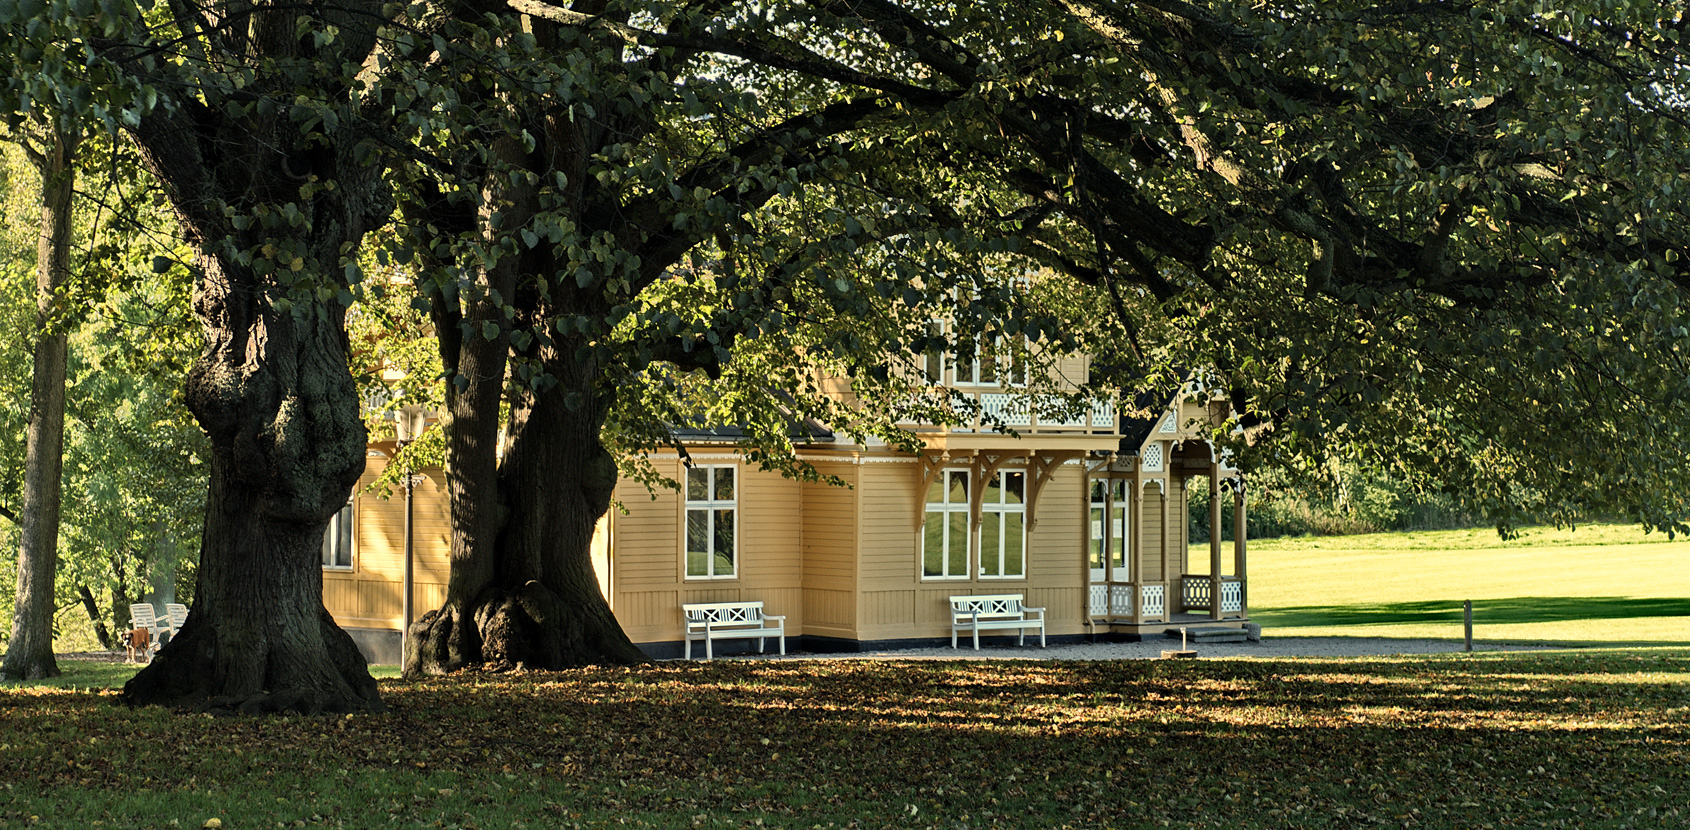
x: 1209, y: 635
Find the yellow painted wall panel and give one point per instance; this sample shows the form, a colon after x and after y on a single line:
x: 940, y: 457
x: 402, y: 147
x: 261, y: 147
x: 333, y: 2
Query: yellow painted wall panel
x: 894, y: 608
x: 833, y: 609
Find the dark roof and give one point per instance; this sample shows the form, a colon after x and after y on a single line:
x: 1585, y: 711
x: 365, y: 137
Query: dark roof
x: 1134, y: 427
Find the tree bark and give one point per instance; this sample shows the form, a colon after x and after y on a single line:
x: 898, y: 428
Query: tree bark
x: 275, y: 210
x: 287, y: 444
x: 30, y: 653
x: 522, y: 591
x: 531, y: 599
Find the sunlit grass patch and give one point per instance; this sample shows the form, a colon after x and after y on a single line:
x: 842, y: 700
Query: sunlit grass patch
x: 1595, y: 584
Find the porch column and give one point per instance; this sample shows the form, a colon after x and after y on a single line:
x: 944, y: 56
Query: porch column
x: 1172, y: 589
x: 1135, y: 548
x: 1238, y: 547
x: 1214, y: 539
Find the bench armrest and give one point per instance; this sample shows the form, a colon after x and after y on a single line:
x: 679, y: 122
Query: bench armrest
x: 781, y: 617
x: 1026, y: 608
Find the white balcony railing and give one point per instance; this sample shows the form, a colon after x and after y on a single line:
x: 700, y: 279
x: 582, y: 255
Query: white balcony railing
x: 1197, y: 594
x: 1021, y: 412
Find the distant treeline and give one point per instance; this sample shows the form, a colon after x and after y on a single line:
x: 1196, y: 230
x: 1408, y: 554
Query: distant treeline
x: 1348, y: 501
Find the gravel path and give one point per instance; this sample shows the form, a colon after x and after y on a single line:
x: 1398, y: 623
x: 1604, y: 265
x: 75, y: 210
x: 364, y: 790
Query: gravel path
x: 1268, y: 648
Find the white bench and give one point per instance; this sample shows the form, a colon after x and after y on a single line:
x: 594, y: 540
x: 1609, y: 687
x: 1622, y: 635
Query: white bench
x: 992, y: 612
x: 712, y: 621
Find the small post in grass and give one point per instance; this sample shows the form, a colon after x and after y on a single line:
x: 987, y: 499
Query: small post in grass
x: 1467, y: 618
x: 1183, y: 653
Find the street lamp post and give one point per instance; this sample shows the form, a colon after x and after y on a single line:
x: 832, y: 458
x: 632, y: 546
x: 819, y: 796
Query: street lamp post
x: 408, y: 425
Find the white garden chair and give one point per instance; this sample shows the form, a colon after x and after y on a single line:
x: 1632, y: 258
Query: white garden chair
x: 178, y: 614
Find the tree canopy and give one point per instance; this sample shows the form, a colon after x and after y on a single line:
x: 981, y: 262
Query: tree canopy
x: 1445, y: 237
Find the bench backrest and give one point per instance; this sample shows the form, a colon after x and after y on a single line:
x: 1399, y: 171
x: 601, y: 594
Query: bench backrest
x: 988, y: 604
x: 723, y: 612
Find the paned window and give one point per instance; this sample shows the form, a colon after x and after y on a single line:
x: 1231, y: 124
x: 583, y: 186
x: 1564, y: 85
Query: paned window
x: 944, y: 542
x: 950, y: 546
x: 712, y: 506
x: 1003, y: 526
x: 994, y: 364
x: 337, y: 541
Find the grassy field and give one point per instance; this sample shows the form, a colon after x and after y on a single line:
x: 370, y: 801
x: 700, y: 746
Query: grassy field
x: 1598, y: 584
x: 1583, y: 738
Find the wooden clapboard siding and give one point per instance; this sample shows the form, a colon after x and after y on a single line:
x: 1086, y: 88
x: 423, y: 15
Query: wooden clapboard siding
x: 890, y: 557
x: 641, y: 613
x: 369, y: 595
x: 771, y: 531
x: 650, y: 583
x: 648, y: 539
x: 881, y: 609
x: 1150, y: 536
x: 830, y: 528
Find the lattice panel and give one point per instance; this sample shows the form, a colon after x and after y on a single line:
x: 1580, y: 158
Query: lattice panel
x: 1154, y: 600
x: 1121, y: 600
x: 1012, y: 410
x: 1098, y: 604
x: 1196, y: 591
x: 1102, y: 413
x: 1232, y: 597
x: 1153, y: 457
x: 1170, y: 424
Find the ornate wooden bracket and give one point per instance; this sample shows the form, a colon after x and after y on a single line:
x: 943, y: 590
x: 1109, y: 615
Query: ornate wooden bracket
x: 985, y: 466
x: 1041, y: 467
x: 932, y: 464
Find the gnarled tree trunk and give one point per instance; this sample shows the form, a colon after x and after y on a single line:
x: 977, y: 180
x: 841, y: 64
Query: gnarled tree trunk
x: 275, y: 206
x: 528, y: 596
x: 287, y: 443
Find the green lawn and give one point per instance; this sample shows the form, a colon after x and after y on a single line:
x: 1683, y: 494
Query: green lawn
x: 1598, y: 584
x: 1580, y: 738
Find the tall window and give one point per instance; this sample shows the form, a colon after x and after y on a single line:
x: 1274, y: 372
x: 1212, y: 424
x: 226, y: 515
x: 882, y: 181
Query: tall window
x: 948, y: 545
x: 1109, y: 531
x: 337, y: 541
x: 1003, y: 537
x: 944, y: 543
x: 711, y: 508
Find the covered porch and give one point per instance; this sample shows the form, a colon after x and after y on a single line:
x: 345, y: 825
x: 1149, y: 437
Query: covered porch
x: 1144, y: 574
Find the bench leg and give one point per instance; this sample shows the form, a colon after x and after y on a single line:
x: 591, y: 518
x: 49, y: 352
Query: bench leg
x: 709, y: 647
x: 686, y: 648
x: 977, y: 638
x: 1020, y: 638
x: 953, y: 636
x: 1041, y: 636
x: 783, y: 644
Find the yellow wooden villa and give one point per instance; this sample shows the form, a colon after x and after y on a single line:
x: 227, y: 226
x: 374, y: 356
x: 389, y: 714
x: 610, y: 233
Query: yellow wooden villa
x: 1084, y: 516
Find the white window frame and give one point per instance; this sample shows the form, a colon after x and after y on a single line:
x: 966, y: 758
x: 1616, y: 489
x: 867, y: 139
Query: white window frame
x: 942, y: 368
x: 710, y: 507
x: 999, y: 513
x: 341, y: 528
x: 938, y: 518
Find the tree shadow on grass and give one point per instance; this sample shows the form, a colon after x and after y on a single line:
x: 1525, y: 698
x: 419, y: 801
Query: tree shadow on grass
x: 1486, y: 611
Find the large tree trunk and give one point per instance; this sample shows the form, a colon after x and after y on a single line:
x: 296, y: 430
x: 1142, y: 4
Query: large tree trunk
x: 275, y: 210
x: 531, y: 598
x: 30, y: 653
x: 287, y: 443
